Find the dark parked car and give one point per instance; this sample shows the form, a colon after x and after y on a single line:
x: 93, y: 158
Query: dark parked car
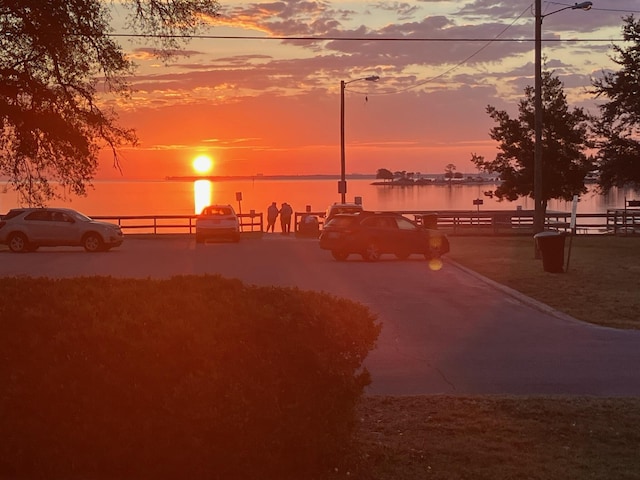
x: 372, y: 234
x: 27, y: 229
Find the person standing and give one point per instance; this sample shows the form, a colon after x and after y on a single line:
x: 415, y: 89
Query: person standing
x: 272, y: 215
x: 285, y: 218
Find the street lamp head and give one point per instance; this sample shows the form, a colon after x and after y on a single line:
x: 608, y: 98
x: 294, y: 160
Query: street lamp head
x: 371, y: 78
x: 577, y: 6
x: 582, y: 6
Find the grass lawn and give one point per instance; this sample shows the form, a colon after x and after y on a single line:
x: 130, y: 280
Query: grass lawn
x: 498, y: 438
x: 601, y: 284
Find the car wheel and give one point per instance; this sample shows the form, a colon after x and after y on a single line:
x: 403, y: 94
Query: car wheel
x: 372, y: 252
x: 92, y: 242
x: 18, y: 242
x: 432, y: 253
x: 339, y: 256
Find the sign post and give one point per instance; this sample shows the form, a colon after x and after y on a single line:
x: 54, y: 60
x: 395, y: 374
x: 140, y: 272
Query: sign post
x: 239, y: 199
x: 572, y: 228
x: 477, y: 202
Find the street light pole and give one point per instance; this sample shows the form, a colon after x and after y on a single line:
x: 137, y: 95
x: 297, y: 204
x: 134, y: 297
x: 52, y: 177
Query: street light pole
x: 538, y: 214
x: 342, y: 184
x: 539, y: 210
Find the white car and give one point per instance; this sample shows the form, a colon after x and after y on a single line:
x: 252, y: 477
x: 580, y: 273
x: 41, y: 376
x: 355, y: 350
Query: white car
x: 337, y: 208
x: 217, y: 222
x: 27, y: 229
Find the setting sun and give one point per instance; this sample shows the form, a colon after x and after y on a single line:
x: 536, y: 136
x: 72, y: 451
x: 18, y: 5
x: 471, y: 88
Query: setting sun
x: 202, y: 164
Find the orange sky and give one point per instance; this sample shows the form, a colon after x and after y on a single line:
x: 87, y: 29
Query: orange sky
x: 273, y: 107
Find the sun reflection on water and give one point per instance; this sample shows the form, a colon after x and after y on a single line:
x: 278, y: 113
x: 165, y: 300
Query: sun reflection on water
x: 202, y: 194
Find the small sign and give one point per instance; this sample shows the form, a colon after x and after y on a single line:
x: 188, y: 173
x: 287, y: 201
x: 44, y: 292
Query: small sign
x: 478, y: 201
x: 574, y: 209
x: 239, y: 196
x: 342, y: 186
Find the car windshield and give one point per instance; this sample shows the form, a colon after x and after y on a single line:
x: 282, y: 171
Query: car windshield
x: 80, y: 216
x: 340, y: 221
x: 217, y: 211
x: 338, y: 209
x: 12, y: 213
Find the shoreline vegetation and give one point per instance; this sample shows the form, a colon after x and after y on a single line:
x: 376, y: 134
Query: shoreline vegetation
x: 425, y: 179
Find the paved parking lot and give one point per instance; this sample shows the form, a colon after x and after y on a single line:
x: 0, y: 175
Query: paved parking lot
x: 445, y: 331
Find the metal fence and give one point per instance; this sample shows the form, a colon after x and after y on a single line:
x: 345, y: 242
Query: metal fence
x: 498, y: 222
x: 159, y: 224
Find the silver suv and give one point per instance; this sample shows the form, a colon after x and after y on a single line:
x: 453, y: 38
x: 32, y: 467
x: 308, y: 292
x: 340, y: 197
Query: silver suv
x: 27, y: 229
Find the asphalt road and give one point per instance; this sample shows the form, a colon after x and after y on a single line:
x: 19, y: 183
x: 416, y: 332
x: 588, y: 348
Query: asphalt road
x: 445, y: 330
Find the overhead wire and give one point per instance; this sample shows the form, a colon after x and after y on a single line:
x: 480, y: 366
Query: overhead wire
x: 390, y: 39
x: 459, y: 64
x: 353, y: 39
x: 489, y: 42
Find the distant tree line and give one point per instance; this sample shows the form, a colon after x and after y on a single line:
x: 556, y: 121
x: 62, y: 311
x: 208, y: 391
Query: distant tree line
x: 403, y: 175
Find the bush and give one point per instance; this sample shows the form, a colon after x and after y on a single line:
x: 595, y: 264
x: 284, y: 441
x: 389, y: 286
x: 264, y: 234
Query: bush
x: 192, y: 377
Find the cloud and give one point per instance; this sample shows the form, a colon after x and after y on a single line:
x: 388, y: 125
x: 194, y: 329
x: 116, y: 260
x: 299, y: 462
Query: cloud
x: 440, y: 64
x: 403, y: 10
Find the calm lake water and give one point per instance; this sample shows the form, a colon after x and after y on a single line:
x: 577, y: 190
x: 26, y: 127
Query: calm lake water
x: 113, y: 198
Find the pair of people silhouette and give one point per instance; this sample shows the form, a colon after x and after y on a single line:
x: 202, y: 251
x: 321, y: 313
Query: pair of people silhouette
x: 285, y: 212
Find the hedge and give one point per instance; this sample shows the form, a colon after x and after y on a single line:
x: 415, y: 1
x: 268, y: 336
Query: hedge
x: 190, y: 377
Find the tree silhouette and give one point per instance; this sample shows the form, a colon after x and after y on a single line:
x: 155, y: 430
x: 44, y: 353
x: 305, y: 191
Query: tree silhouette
x: 618, y: 126
x: 384, y: 174
x: 564, y: 140
x: 448, y: 172
x: 55, y: 57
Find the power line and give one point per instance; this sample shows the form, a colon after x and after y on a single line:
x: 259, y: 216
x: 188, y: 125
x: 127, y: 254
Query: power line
x: 459, y: 64
x: 385, y: 39
x: 361, y: 39
x: 432, y: 79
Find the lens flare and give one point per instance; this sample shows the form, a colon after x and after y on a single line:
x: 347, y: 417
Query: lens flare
x: 435, y: 264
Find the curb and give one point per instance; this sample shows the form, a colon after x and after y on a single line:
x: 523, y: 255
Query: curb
x: 521, y: 297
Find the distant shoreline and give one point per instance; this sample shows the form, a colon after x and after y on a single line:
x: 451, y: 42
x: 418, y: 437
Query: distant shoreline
x: 425, y: 179
x: 192, y: 178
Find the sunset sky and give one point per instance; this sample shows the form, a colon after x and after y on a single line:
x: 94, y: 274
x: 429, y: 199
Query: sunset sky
x: 272, y: 106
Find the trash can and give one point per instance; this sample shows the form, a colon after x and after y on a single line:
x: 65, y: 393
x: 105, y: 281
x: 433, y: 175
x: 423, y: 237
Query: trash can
x: 430, y: 221
x: 551, y: 246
